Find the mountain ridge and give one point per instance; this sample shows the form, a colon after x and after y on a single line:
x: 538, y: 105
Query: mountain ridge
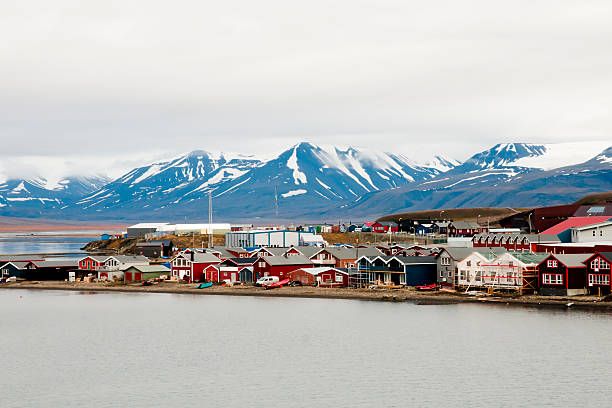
x: 309, y: 180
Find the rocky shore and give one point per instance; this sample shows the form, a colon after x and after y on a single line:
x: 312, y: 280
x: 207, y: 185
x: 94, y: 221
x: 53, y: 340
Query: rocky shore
x: 383, y: 295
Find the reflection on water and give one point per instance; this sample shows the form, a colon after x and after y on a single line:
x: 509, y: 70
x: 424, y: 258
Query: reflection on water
x: 141, y: 350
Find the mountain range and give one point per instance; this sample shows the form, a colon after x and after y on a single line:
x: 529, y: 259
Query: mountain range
x: 311, y: 182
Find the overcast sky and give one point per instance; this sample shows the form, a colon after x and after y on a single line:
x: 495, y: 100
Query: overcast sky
x: 132, y: 81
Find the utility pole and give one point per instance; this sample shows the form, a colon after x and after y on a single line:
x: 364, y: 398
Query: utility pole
x: 275, y: 201
x: 210, y: 231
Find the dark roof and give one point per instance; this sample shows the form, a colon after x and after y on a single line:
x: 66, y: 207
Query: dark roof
x: 56, y: 264
x: 607, y: 255
x: 416, y: 259
x: 241, y: 261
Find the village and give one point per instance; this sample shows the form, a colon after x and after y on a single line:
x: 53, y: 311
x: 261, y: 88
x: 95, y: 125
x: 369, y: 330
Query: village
x: 555, y: 252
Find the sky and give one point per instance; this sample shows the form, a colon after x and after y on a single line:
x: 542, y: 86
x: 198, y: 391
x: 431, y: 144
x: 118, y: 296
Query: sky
x: 102, y: 86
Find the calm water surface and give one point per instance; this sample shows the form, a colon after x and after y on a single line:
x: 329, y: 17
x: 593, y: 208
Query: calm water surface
x: 54, y: 246
x: 68, y: 349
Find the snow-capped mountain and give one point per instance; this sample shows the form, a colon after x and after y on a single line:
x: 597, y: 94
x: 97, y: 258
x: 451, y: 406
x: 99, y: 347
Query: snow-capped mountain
x: 507, y: 161
x: 168, y: 183
x: 310, y: 181
x: 31, y: 197
x: 304, y: 176
x: 516, y: 175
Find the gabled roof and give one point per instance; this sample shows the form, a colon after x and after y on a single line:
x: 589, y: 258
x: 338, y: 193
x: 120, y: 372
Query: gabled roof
x: 97, y: 258
x: 460, y: 253
x: 149, y: 268
x: 275, y: 251
x: 574, y: 222
x: 286, y: 260
x: 570, y: 260
x: 606, y: 255
x: 199, y: 257
x: 16, y: 264
x: 307, y: 251
x: 350, y: 253
x: 319, y: 270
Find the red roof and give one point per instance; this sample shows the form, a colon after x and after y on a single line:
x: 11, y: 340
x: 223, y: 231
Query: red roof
x: 575, y: 222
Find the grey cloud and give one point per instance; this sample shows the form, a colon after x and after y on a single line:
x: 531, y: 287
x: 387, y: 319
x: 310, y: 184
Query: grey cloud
x: 126, y: 77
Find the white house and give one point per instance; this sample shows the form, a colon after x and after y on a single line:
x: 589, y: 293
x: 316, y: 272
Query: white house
x: 516, y: 271
x: 599, y: 232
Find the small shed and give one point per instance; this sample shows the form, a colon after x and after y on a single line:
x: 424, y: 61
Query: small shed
x: 138, y: 273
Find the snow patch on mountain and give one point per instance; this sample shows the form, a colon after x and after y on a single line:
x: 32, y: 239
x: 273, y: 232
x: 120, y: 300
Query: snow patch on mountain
x: 293, y: 193
x: 292, y: 163
x: 557, y: 155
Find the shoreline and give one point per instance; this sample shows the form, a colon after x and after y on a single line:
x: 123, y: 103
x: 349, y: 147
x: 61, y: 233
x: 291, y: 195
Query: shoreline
x: 384, y: 295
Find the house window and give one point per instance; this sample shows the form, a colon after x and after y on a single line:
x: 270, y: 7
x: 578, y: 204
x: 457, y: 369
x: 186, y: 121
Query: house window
x: 445, y: 260
x: 593, y: 232
x: 552, y: 279
x: 261, y: 264
x: 552, y: 263
x: 462, y: 275
x: 469, y: 263
x: 478, y: 277
x: 599, y: 263
x: 599, y: 279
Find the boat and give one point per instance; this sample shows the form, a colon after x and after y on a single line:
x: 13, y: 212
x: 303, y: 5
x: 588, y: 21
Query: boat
x: 431, y: 286
x: 277, y: 284
x: 204, y: 285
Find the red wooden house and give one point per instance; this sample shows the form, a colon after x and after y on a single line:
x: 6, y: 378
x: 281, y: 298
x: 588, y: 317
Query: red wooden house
x: 193, y: 266
x: 92, y: 263
x: 280, y: 265
x: 598, y: 273
x: 563, y: 275
x: 237, y: 269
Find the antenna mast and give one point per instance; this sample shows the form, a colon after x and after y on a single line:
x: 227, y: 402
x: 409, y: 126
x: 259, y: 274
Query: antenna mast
x: 210, y: 231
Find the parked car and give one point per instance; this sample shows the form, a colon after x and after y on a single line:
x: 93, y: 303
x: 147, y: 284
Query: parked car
x: 266, y: 280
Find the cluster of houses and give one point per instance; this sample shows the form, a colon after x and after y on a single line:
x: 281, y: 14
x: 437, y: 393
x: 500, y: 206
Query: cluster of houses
x: 570, y: 257
x: 473, y: 268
